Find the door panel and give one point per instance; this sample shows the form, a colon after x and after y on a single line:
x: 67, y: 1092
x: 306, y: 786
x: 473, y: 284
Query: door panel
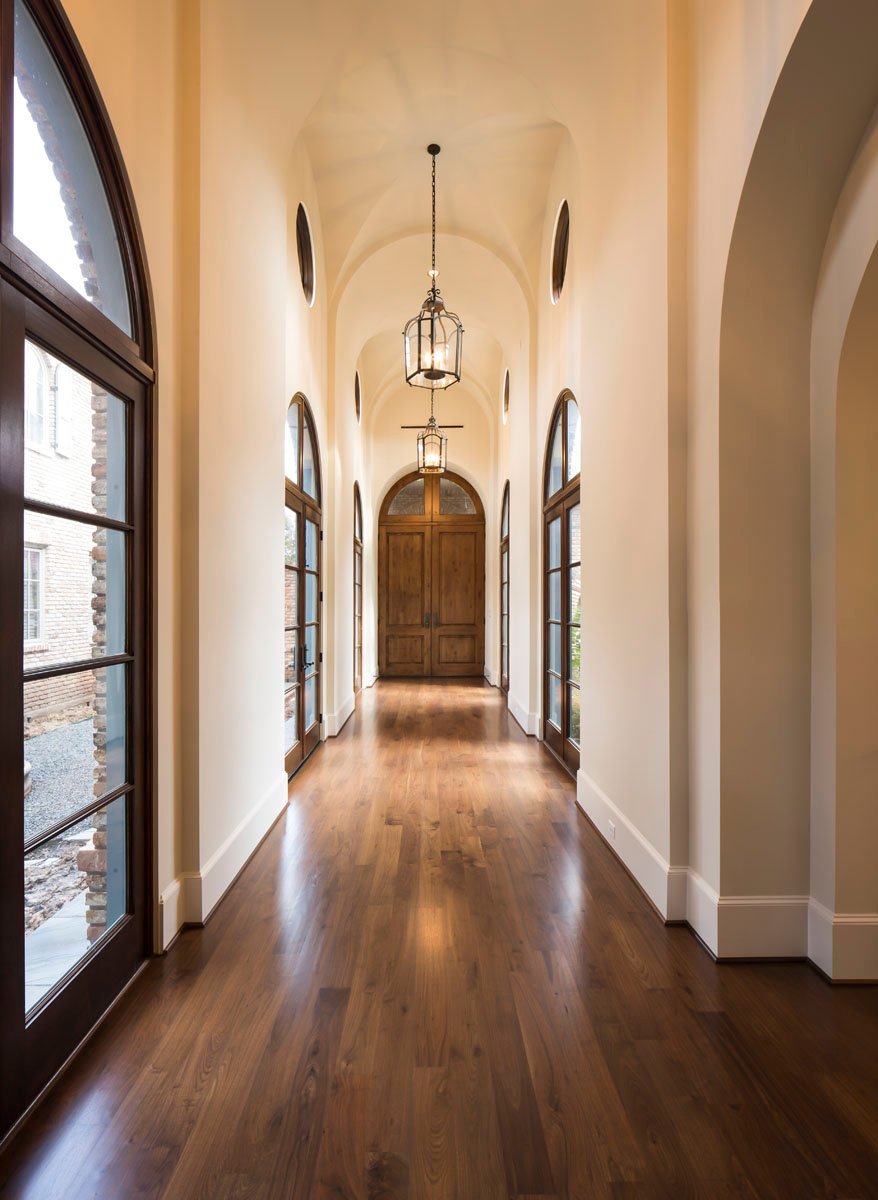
x: 458, y: 600
x: 431, y: 579
x: 404, y: 617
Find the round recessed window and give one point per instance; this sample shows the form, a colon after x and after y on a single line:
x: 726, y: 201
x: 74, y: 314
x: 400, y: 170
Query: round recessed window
x: 306, y: 253
x: 505, y: 397
x: 560, y: 246
x: 358, y: 398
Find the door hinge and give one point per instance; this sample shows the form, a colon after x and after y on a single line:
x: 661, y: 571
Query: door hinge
x: 320, y: 716
x: 321, y: 656
x: 321, y: 535
x: 321, y: 597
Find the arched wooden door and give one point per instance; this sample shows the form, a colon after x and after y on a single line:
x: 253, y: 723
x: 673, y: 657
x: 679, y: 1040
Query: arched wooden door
x: 431, y: 578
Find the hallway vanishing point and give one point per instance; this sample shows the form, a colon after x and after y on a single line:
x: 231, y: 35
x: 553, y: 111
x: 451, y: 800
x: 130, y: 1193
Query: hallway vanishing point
x: 434, y: 980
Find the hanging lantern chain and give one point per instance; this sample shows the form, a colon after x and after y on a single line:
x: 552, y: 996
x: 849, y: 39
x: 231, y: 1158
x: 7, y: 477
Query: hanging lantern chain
x: 433, y: 272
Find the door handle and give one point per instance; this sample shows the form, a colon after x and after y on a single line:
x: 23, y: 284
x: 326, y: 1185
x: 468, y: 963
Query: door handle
x: 426, y: 620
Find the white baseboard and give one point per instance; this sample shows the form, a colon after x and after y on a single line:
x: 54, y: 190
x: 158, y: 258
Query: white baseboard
x: 529, y: 722
x: 492, y: 677
x: 661, y: 882
x: 762, y: 927
x: 171, y: 912
x: 193, y: 895
x: 843, y: 945
x: 371, y: 682
x: 702, y: 909
x: 334, y: 722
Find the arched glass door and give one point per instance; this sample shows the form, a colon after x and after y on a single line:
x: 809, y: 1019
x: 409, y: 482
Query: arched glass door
x: 562, y: 585
x: 358, y: 589
x: 504, y: 592
x: 75, y: 448
x: 303, y: 597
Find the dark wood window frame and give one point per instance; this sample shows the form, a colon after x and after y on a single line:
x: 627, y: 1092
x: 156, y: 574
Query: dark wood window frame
x: 358, y: 590
x: 39, y: 306
x: 305, y: 253
x: 560, y: 250
x: 504, y: 560
x: 307, y: 508
x: 558, y: 506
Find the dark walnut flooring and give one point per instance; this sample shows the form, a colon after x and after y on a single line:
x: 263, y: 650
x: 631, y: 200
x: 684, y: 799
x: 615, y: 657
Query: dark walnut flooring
x: 434, y: 980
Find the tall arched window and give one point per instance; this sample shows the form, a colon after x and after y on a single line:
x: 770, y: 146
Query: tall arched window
x: 358, y: 590
x: 76, y: 401
x: 504, y: 591
x: 563, y: 584
x: 303, y: 537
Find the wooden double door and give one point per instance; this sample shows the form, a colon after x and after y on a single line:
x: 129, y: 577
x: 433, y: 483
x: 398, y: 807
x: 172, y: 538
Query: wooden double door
x: 431, y: 578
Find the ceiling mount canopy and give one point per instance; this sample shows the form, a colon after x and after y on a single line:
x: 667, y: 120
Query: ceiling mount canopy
x: 434, y: 338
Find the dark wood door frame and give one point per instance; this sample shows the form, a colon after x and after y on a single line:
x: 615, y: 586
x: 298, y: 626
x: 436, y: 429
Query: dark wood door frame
x: 38, y: 305
x: 558, y: 507
x: 435, y: 646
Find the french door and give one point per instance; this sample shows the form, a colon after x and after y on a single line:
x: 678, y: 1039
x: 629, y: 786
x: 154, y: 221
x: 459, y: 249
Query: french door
x: 431, y: 579
x: 562, y: 586
x: 74, y: 769
x: 302, y: 642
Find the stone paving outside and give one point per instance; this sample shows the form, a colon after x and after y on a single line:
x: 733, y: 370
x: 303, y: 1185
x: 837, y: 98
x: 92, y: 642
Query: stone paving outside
x: 62, y: 766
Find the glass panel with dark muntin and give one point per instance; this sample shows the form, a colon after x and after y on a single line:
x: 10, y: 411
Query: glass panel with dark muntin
x: 309, y: 475
x: 555, y: 701
x: 554, y: 474
x: 80, y: 462
x: 75, y: 891
x: 291, y: 444
x: 81, y: 596
x: 408, y: 501
x: 291, y: 538
x: 573, y: 717
x: 310, y: 702
x: 573, y: 439
x: 75, y: 736
x: 311, y: 543
x: 454, y: 501
x: 291, y: 724
x: 554, y: 543
x: 60, y: 208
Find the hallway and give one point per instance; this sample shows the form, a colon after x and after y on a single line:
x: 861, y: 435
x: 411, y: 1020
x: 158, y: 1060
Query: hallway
x: 435, y: 980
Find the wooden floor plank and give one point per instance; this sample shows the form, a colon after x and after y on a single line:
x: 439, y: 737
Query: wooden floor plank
x: 435, y: 980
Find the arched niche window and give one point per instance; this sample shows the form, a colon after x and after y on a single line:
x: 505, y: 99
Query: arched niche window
x: 76, y: 409
x: 504, y: 591
x: 562, y: 584
x: 305, y: 252
x: 505, y: 401
x: 560, y: 248
x: 358, y: 590
x: 303, y: 595
x: 358, y: 398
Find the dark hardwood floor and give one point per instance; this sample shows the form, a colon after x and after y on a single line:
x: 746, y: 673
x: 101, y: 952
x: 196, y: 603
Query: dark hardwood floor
x: 434, y: 980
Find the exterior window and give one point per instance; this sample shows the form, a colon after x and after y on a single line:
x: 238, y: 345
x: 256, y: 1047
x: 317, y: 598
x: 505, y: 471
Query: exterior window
x: 36, y: 417
x: 562, y: 593
x: 33, y: 593
x: 303, y: 670
x: 358, y: 590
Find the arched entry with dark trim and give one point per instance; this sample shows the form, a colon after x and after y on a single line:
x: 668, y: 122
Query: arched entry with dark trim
x: 562, y: 574
x: 303, y: 583
x: 76, y: 415
x: 431, y: 578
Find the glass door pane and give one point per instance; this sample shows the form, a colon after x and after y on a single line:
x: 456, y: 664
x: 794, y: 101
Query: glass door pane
x: 311, y: 636
x: 292, y: 638
x: 574, y: 619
